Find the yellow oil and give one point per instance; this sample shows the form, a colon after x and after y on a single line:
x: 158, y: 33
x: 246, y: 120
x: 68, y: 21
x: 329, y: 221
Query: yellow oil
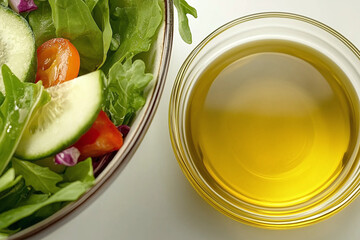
x: 271, y: 123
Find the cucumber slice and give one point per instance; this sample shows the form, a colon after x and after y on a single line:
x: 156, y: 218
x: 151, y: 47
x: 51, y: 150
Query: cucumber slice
x: 17, y: 46
x: 73, y: 107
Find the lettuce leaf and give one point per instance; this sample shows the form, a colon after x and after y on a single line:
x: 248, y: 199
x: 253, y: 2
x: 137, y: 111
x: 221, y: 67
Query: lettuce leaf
x: 21, y: 100
x: 8, y: 180
x: 184, y: 8
x: 40, y: 178
x: 136, y: 22
x: 124, y: 90
x: 73, y: 20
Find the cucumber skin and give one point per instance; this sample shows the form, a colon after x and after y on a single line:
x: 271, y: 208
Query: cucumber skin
x: 30, y: 75
x: 71, y: 141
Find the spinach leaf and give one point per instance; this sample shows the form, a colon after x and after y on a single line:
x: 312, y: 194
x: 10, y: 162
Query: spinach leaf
x: 184, y: 8
x: 7, y: 180
x: 73, y: 20
x: 101, y: 14
x: 83, y: 171
x: 40, y: 178
x: 41, y: 23
x: 136, y: 22
x: 21, y: 100
x: 69, y: 193
x: 124, y: 90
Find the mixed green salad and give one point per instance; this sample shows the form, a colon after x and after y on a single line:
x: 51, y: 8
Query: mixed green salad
x: 71, y: 81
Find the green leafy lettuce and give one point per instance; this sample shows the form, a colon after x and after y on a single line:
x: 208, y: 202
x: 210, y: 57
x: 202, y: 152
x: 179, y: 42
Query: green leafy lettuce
x: 21, y: 100
x: 135, y: 23
x: 124, y: 90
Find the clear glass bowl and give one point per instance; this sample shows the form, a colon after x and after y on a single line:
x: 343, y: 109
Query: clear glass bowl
x: 265, y: 26
x: 159, y: 59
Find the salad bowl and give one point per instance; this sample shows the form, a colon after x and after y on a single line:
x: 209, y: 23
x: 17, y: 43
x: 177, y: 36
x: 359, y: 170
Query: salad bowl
x: 157, y: 62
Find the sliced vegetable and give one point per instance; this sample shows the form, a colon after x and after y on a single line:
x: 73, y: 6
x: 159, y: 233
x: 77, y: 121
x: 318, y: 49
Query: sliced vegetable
x: 22, y: 5
x: 57, y: 61
x: 103, y: 137
x: 124, y: 93
x: 21, y: 101
x: 184, y: 8
x: 73, y: 108
x: 68, y: 157
x: 17, y: 46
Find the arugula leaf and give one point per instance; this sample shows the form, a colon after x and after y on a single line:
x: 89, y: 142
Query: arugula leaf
x: 69, y: 193
x: 184, y: 8
x: 73, y: 20
x: 124, y: 90
x: 83, y: 171
x: 8, y: 180
x: 21, y: 100
x: 40, y: 178
x: 101, y: 14
x: 41, y: 23
x: 136, y: 22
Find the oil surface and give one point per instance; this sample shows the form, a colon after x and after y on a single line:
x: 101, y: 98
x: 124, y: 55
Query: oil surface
x: 270, y: 123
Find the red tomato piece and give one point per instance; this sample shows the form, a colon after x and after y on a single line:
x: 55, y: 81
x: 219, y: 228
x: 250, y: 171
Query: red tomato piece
x: 103, y: 137
x: 57, y: 61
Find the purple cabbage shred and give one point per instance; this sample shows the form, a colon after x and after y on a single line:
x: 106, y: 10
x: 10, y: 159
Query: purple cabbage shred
x: 68, y: 157
x: 20, y: 6
x: 124, y: 129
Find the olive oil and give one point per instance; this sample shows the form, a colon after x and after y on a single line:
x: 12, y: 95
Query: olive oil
x: 271, y: 123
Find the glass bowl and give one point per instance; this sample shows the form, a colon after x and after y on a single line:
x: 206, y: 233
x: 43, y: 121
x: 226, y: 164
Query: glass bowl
x: 159, y: 58
x: 257, y: 27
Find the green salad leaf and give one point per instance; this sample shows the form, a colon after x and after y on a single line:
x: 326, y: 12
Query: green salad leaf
x: 69, y: 193
x: 101, y: 14
x: 40, y: 178
x: 83, y: 172
x: 12, y: 197
x: 21, y: 100
x: 73, y: 20
x: 136, y: 22
x: 184, y: 8
x: 91, y: 4
x: 4, y: 3
x: 124, y: 90
x: 8, y: 180
x: 41, y: 23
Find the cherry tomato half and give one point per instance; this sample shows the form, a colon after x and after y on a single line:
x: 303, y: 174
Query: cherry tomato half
x: 57, y: 61
x: 103, y: 137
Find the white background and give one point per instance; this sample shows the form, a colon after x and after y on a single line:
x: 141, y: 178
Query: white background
x: 151, y: 198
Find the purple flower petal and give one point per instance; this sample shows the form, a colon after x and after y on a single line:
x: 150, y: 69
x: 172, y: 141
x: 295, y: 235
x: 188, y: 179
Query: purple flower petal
x: 22, y: 5
x: 68, y: 157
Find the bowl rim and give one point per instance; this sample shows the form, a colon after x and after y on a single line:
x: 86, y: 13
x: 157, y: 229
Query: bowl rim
x: 179, y: 148
x: 119, y: 162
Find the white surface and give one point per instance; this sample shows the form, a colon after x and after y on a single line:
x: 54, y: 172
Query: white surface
x: 151, y: 198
